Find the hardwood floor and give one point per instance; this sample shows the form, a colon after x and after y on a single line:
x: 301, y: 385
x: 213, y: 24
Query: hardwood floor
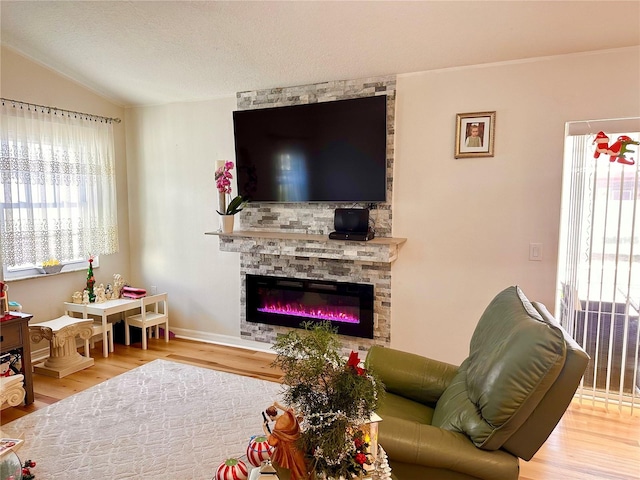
x: 49, y: 390
x: 590, y: 443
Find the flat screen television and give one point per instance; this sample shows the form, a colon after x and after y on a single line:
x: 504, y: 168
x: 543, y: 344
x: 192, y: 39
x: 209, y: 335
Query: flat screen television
x: 320, y: 152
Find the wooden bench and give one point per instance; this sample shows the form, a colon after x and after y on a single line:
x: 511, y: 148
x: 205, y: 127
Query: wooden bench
x: 64, y: 358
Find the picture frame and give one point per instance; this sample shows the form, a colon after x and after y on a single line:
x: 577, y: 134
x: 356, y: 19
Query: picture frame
x: 475, y: 134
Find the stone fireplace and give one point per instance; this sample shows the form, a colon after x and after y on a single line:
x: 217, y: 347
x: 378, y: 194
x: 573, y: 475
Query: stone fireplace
x: 290, y: 240
x: 313, y: 257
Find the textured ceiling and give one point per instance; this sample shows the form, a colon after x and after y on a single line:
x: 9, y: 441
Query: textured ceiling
x: 147, y: 52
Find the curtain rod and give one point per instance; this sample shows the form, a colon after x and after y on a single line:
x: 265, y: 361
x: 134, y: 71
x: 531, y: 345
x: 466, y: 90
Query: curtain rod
x: 62, y: 110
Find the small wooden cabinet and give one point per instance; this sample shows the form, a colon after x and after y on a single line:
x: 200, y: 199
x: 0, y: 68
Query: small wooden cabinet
x: 14, y: 335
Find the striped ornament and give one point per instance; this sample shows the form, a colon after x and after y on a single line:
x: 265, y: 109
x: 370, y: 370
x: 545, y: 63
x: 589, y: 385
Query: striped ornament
x: 258, y: 450
x: 232, y: 469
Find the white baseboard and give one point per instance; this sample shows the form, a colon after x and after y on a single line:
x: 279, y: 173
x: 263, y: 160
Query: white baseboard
x: 39, y: 354
x: 219, y: 339
x: 43, y: 353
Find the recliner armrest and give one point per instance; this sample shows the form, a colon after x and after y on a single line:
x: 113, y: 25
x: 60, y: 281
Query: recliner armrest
x: 432, y: 447
x: 412, y: 376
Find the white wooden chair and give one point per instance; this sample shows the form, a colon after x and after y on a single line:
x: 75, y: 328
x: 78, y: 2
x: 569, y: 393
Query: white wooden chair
x: 97, y: 334
x: 4, y: 298
x: 154, y: 311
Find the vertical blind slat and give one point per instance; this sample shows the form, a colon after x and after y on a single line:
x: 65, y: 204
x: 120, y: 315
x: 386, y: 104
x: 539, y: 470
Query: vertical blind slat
x: 599, y: 292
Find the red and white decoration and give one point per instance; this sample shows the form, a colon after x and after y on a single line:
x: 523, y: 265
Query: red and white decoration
x: 258, y: 450
x: 617, y: 151
x: 232, y: 469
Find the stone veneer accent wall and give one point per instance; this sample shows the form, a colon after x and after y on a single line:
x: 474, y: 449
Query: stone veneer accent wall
x: 314, y: 218
x: 378, y: 275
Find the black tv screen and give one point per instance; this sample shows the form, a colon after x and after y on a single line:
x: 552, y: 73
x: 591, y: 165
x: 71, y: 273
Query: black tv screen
x: 321, y: 152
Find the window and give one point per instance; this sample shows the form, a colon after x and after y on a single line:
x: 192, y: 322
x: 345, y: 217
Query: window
x: 599, y: 261
x: 57, y: 188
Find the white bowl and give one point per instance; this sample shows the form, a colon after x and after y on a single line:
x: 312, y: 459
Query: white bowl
x: 52, y: 269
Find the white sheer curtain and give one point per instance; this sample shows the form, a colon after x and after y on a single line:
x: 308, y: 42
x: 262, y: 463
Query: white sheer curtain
x: 57, y: 185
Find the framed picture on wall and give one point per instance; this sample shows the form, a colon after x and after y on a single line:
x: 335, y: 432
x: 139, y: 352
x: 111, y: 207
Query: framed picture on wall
x: 475, y: 134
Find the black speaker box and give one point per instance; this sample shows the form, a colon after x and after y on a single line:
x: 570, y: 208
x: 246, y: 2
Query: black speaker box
x: 351, y: 220
x: 358, y: 237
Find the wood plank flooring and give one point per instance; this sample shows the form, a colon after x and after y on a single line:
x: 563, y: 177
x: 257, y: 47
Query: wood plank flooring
x: 590, y: 443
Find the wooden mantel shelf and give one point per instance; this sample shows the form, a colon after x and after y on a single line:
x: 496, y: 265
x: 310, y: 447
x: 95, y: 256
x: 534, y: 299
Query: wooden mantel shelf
x: 378, y: 250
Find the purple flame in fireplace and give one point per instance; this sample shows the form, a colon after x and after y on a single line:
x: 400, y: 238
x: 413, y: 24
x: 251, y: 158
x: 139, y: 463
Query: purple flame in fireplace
x: 285, y: 301
x: 320, y: 313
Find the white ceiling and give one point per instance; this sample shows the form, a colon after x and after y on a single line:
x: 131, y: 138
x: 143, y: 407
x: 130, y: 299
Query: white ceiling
x: 149, y: 52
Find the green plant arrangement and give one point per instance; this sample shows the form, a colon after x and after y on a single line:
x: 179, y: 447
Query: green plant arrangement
x: 235, y: 205
x: 334, y: 395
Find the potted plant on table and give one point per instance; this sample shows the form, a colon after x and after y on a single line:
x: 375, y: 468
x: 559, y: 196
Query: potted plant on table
x: 334, y: 396
x: 223, y: 178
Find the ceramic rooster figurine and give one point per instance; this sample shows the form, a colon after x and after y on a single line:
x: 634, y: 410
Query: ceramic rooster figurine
x: 616, y: 150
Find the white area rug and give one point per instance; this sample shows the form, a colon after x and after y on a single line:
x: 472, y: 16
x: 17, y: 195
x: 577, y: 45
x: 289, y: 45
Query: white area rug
x: 163, y: 420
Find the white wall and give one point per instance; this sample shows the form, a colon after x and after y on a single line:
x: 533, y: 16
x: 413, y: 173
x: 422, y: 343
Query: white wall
x: 172, y: 150
x: 24, y: 80
x: 469, y: 222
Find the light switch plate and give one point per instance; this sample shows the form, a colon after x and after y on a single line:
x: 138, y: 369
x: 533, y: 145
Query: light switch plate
x: 535, y: 252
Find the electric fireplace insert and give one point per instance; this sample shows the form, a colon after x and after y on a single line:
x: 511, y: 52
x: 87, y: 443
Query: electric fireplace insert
x: 289, y: 302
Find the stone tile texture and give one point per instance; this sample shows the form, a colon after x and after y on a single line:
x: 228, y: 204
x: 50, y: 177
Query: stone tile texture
x: 300, y: 259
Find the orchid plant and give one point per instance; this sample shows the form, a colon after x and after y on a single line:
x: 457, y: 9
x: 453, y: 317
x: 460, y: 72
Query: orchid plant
x: 223, y: 178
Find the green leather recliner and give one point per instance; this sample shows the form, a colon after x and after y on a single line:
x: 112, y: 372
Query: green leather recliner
x: 475, y: 420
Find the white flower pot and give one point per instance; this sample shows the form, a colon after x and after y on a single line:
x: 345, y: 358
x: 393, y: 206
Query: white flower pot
x: 226, y: 223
